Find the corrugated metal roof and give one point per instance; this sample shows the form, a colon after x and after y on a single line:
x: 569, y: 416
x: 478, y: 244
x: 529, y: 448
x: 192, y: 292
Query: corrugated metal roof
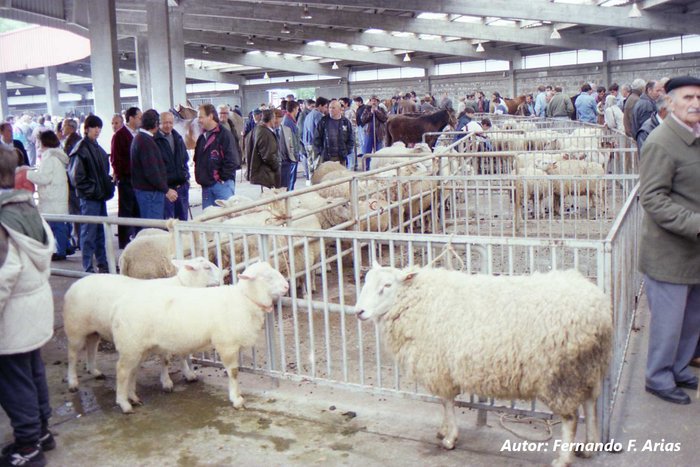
x: 40, y: 46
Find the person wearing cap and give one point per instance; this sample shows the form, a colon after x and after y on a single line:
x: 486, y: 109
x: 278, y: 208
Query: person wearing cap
x: 374, y: 125
x: 669, y: 253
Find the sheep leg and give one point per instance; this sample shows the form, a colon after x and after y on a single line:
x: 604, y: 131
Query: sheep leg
x: 229, y: 357
x: 125, y: 369
x: 133, y: 397
x: 448, y: 431
x: 93, y: 341
x: 190, y: 375
x: 74, y: 347
x: 568, y: 433
x: 592, y: 432
x: 165, y: 381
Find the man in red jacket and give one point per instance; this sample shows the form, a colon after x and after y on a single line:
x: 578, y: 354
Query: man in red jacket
x: 121, y: 166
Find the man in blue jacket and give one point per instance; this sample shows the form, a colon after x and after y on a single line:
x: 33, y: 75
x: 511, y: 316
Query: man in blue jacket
x: 216, y: 158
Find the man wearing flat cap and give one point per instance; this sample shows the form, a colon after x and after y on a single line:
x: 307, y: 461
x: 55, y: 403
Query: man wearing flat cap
x: 669, y: 256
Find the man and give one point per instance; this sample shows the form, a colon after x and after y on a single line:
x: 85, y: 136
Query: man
x: 333, y: 139
x: 265, y: 162
x: 482, y: 104
x: 309, y: 131
x: 360, y: 130
x: 70, y: 135
x: 120, y: 157
x: 645, y: 106
x: 174, y: 152
x: 26, y: 308
x: 638, y: 86
x: 560, y: 106
x: 625, y: 92
x: 227, y: 122
x: 7, y: 141
x: 541, y: 101
x: 652, y: 122
x: 526, y: 108
x: 615, y: 91
x: 669, y: 252
x: 309, y: 105
x: 237, y: 110
x: 585, y: 105
x: 374, y: 126
x: 446, y: 102
x: 149, y: 176
x: 248, y: 139
x: 407, y: 105
x: 117, y: 122
x: 89, y: 173
x: 291, y: 149
x: 216, y: 158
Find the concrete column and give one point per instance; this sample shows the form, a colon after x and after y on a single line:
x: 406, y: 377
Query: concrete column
x: 159, y: 54
x: 54, y: 107
x: 177, y: 57
x: 4, y: 106
x: 513, y: 65
x: 102, y: 17
x: 143, y: 72
x: 605, y: 70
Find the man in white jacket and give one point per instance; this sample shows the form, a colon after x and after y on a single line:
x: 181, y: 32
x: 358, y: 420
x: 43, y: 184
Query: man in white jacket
x: 26, y: 320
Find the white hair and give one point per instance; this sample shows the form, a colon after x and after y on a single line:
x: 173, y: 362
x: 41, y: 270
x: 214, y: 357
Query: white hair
x: 639, y: 84
x: 222, y: 107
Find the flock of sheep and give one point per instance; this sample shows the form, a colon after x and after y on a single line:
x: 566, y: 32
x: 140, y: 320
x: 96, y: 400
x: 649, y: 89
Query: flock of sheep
x: 545, y: 336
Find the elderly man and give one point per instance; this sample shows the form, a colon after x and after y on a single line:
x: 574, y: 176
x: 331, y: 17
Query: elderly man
x: 374, y: 127
x: 669, y: 253
x: 174, y: 152
x: 7, y: 140
x: 631, y: 100
x: 117, y: 123
x: 265, y: 162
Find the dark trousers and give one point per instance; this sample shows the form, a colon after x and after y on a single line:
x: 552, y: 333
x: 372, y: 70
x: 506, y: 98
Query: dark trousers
x: 128, y: 207
x: 92, y: 237
x: 24, y: 395
x: 151, y: 203
x: 288, y: 171
x: 74, y: 209
x: 60, y: 233
x: 181, y: 207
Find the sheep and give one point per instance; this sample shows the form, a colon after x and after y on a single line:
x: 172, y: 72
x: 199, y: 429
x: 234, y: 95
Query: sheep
x: 326, y: 168
x: 220, y: 205
x: 545, y: 336
x: 576, y: 187
x: 86, y: 316
x: 535, y: 189
x: 312, y: 201
x: 149, y: 257
x: 178, y: 321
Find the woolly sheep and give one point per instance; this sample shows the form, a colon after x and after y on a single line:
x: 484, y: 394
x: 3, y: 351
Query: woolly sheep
x: 178, y: 321
x: 86, y: 312
x: 148, y: 257
x: 326, y: 168
x: 593, y: 189
x: 545, y: 336
x: 535, y: 189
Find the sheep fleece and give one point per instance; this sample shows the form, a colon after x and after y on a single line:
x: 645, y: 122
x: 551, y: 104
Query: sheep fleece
x: 546, y: 336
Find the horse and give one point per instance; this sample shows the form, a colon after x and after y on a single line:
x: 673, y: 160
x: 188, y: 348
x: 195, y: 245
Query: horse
x: 410, y: 129
x: 513, y: 104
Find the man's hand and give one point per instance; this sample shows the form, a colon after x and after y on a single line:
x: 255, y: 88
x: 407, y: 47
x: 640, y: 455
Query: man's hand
x: 171, y: 195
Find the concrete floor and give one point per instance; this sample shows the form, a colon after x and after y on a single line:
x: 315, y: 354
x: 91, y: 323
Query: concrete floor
x: 292, y: 423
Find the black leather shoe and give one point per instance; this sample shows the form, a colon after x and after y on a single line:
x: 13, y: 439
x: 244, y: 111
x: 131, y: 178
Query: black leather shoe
x: 675, y: 395
x: 690, y: 384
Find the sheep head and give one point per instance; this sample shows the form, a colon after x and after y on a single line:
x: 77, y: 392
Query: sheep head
x: 378, y: 294
x: 198, y: 272
x: 262, y: 284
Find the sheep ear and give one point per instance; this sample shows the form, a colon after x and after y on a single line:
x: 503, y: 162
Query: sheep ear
x: 189, y: 267
x: 407, y: 276
x: 245, y: 277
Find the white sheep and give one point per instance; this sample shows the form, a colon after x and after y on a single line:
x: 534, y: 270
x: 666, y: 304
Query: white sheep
x: 182, y: 321
x: 577, y: 186
x: 545, y: 336
x: 325, y: 168
x: 529, y: 190
x: 87, y: 317
x: 149, y: 256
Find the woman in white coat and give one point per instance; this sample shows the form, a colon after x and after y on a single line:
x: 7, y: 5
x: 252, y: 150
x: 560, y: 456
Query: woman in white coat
x: 51, y: 181
x: 613, y: 114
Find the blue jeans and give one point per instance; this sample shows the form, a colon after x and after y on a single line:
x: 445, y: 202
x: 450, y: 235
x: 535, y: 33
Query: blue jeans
x: 151, y: 203
x: 289, y: 174
x: 221, y: 190
x: 180, y: 208
x: 92, y: 236
x: 24, y: 394
x: 60, y: 233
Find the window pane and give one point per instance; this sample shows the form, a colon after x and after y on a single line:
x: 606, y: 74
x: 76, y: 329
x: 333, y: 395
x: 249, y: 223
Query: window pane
x: 412, y: 72
x: 449, y: 68
x: 475, y: 66
x: 670, y: 46
x: 389, y: 73
x: 636, y: 50
x: 590, y: 56
x: 562, y: 58
x: 496, y: 65
x: 691, y: 44
x: 536, y: 61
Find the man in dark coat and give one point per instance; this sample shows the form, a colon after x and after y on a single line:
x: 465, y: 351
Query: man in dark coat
x: 174, y: 152
x: 120, y: 156
x: 7, y: 140
x: 216, y: 158
x: 333, y: 139
x: 265, y: 162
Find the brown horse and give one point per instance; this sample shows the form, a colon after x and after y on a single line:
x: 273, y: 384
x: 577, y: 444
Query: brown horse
x: 410, y: 129
x: 513, y: 104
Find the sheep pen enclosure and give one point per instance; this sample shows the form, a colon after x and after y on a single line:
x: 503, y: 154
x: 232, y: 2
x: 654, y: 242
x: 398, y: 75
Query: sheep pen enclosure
x: 459, y: 211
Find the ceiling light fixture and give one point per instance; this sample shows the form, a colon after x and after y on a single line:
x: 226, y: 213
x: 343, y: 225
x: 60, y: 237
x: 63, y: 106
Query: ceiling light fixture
x: 406, y: 57
x: 306, y: 14
x: 635, y: 12
x: 334, y: 66
x: 266, y: 76
x: 249, y: 41
x: 285, y: 29
x: 480, y: 47
x: 555, y: 34
x: 17, y: 93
